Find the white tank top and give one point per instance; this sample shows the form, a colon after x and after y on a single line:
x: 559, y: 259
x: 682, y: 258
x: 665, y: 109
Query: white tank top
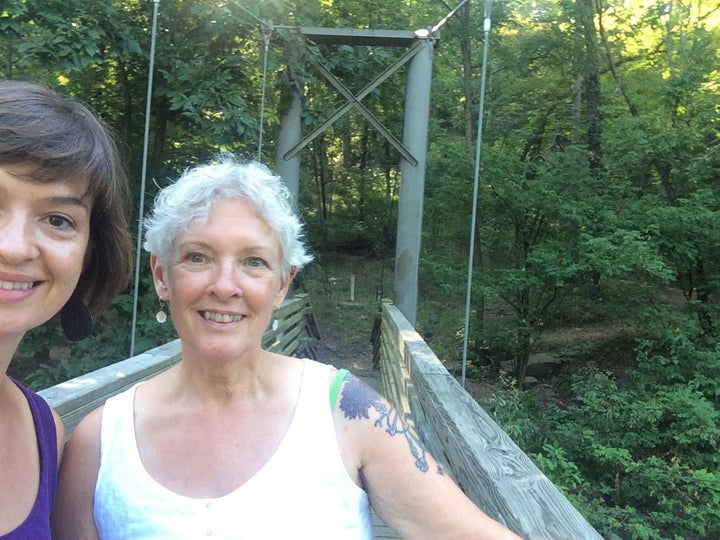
x: 303, y: 491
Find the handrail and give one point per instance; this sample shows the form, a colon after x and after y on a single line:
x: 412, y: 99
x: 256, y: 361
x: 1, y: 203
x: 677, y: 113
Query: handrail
x: 497, y: 475
x: 295, y: 334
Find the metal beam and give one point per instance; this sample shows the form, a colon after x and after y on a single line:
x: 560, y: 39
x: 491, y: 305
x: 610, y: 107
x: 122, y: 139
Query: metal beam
x: 359, y: 36
x: 370, y: 117
x: 413, y: 147
x: 412, y: 185
x: 400, y: 62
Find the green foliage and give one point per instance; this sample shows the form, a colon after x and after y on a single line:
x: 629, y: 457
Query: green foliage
x: 512, y: 409
x: 554, y: 461
x: 639, y: 460
x: 681, y: 358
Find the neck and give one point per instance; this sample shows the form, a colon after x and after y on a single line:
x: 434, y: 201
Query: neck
x: 8, y: 347
x: 225, y: 381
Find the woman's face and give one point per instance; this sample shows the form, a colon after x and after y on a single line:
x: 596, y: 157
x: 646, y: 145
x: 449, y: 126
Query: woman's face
x: 223, y: 280
x: 44, y: 234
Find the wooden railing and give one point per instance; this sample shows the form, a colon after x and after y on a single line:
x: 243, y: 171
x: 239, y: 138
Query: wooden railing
x: 482, y: 458
x: 296, y: 334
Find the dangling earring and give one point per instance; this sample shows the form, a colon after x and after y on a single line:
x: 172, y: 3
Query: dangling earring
x: 76, y: 319
x: 275, y: 322
x: 161, y: 316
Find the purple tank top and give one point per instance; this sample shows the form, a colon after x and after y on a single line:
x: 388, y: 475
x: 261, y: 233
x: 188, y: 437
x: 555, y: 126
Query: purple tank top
x: 37, y: 525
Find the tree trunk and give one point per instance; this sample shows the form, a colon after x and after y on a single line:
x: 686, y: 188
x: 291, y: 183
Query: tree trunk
x: 126, y: 88
x: 522, y: 353
x: 592, y: 84
x: 467, y: 77
x: 162, y: 116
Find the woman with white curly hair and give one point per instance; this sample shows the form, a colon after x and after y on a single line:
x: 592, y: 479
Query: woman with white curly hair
x: 235, y: 441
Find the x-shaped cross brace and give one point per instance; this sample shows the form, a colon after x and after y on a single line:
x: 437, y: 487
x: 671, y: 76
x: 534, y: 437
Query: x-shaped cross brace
x: 354, y: 101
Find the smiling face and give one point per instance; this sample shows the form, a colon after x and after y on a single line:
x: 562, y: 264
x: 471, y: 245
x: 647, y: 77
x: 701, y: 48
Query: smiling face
x: 44, y: 232
x: 223, y: 280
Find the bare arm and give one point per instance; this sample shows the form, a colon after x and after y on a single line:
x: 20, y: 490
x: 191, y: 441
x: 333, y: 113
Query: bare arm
x: 72, y: 517
x: 406, y: 486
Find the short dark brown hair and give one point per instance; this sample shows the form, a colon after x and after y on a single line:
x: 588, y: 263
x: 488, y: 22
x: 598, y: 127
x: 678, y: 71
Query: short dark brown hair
x: 54, y: 138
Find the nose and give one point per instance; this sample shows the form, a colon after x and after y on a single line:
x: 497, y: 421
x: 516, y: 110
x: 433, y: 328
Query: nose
x: 227, y: 281
x: 17, y: 240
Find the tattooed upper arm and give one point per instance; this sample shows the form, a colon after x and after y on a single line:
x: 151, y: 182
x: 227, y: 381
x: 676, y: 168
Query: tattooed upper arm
x: 400, y: 486
x: 359, y: 401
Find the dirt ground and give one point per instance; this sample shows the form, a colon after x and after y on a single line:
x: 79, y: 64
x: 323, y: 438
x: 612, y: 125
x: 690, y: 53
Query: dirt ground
x: 351, y: 351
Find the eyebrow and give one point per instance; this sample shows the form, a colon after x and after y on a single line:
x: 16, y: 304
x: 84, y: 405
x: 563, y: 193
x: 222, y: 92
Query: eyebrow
x: 61, y: 200
x: 72, y: 201
x: 208, y: 245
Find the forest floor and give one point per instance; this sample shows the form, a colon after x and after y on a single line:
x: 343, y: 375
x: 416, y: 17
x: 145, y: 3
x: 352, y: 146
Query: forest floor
x: 348, y: 347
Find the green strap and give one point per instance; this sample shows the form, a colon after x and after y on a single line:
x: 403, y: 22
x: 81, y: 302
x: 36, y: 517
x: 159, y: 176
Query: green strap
x: 335, y: 386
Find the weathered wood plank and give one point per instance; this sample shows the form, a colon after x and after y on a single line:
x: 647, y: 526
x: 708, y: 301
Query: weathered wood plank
x: 75, y: 398
x: 286, y: 343
x: 493, y: 471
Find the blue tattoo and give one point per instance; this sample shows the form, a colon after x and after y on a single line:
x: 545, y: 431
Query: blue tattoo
x: 356, y: 401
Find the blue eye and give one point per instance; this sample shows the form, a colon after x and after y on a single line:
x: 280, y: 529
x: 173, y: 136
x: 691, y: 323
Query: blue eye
x: 196, y: 257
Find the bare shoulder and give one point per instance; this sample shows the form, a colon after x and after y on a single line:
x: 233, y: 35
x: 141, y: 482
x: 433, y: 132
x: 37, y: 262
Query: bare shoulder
x: 81, y: 459
x: 88, y: 429
x: 82, y: 452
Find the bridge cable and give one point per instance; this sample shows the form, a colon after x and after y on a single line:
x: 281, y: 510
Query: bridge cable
x: 266, y: 28
x: 486, y: 28
x: 141, y: 210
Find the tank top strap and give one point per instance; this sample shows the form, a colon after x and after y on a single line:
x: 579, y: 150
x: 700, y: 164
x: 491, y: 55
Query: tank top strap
x: 47, y: 440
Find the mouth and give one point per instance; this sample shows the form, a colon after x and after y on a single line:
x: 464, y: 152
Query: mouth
x: 221, y: 317
x: 16, y: 285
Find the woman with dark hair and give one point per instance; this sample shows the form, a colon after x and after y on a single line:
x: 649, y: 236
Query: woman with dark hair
x: 64, y: 248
